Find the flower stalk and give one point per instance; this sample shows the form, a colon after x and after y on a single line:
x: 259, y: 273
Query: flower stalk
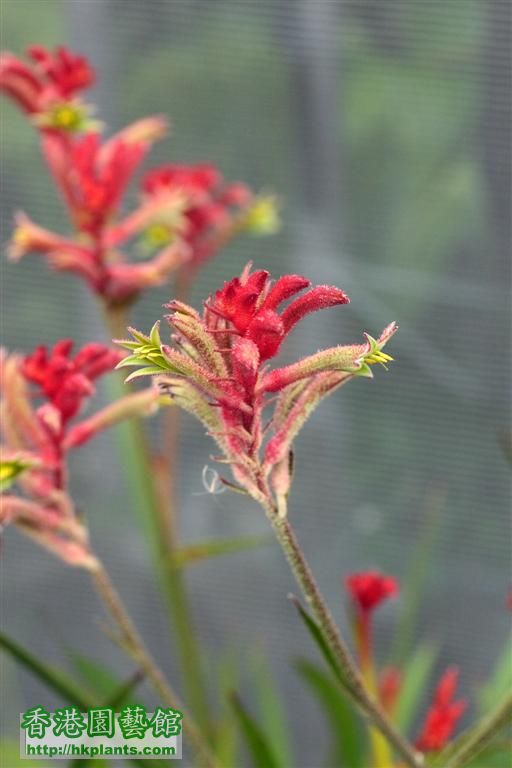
x: 137, y: 650
x: 311, y: 592
x: 154, y: 477
x: 482, y: 734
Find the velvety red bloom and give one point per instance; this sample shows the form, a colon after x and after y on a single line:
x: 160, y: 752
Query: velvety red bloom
x: 50, y: 78
x: 250, y: 304
x: 216, y: 370
x: 370, y: 588
x: 443, y: 715
x: 209, y: 203
x: 66, y: 381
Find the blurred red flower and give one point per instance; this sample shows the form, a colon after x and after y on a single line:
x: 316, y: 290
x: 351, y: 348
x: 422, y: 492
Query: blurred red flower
x: 444, y: 714
x: 370, y: 588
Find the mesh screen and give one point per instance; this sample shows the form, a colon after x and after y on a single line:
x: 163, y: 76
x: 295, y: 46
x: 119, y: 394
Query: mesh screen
x: 385, y: 129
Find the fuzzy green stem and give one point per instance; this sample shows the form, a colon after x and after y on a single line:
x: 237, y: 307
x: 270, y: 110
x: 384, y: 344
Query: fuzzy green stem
x: 311, y: 592
x: 137, y: 650
x: 157, y: 477
x: 482, y: 734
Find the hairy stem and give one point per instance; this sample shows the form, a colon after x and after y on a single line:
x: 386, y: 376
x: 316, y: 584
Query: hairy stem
x: 311, y: 592
x: 135, y: 647
x: 157, y: 477
x: 482, y: 734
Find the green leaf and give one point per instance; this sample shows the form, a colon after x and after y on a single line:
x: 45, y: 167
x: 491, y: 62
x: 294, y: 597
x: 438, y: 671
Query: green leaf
x: 57, y: 680
x: 11, y: 469
x: 415, y: 677
x: 65, y: 687
x: 226, y: 732
x: 316, y: 634
x: 270, y: 709
x: 96, y: 676
x: 418, y: 570
x: 109, y: 690
x: 120, y: 696
x: 203, y: 550
x: 500, y: 682
x: 148, y: 371
x: 347, y: 734
x: 261, y: 751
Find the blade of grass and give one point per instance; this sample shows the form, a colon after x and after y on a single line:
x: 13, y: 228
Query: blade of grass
x: 347, y: 734
x: 55, y: 679
x: 95, y: 675
x: 416, y: 576
x: 260, y: 750
x: 270, y: 709
x: 415, y: 676
x: 315, y: 633
x: 203, y: 550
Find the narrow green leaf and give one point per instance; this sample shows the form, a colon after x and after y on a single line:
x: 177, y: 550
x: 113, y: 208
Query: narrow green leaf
x: 316, y: 634
x: 226, y: 732
x: 96, y: 676
x: 120, y: 696
x: 270, y: 709
x: 129, y: 360
x: 203, y: 550
x: 415, y: 676
x: 261, y: 752
x: 64, y: 686
x: 148, y: 371
x: 500, y: 682
x: 11, y: 469
x: 418, y: 569
x: 57, y: 680
x: 347, y: 734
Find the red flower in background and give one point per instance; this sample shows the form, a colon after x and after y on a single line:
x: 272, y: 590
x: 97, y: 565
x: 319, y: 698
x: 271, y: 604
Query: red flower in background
x: 211, y: 207
x: 369, y: 589
x: 41, y: 394
x: 185, y: 213
x: 443, y: 715
x: 48, y: 80
x: 92, y: 176
x: 66, y: 381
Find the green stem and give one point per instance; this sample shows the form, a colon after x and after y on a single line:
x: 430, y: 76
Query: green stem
x: 311, y: 592
x: 137, y: 650
x: 157, y: 479
x: 482, y: 734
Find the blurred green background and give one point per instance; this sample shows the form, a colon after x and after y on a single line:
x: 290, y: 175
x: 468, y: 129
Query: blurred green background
x: 385, y: 129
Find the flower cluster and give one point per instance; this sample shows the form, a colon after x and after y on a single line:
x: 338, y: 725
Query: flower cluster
x: 212, y: 212
x: 184, y: 213
x: 46, y: 87
x: 216, y: 370
x: 443, y: 715
x: 41, y: 395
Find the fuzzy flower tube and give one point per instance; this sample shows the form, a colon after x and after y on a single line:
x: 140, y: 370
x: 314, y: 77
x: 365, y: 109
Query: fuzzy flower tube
x: 42, y: 394
x: 218, y: 370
